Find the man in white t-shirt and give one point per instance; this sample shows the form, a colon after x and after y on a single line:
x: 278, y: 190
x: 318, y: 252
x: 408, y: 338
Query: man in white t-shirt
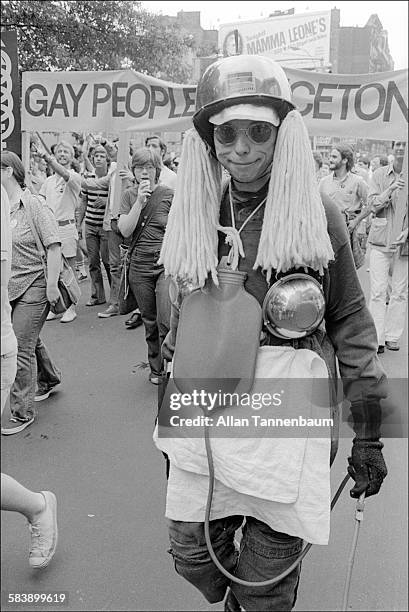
x: 40, y: 508
x: 167, y: 177
x: 61, y: 192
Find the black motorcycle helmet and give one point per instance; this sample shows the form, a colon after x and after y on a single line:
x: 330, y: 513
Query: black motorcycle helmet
x: 240, y: 79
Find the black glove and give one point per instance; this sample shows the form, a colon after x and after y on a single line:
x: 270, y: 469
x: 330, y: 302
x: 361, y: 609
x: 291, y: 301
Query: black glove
x: 367, y: 467
x: 366, y: 464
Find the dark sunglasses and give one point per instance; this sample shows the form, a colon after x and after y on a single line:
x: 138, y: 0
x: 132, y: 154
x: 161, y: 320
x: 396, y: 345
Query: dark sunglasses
x: 257, y: 132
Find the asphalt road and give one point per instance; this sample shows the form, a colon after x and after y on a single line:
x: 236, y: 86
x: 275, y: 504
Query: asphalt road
x: 92, y: 445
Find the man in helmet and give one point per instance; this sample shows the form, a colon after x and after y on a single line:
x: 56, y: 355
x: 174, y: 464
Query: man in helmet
x: 276, y: 224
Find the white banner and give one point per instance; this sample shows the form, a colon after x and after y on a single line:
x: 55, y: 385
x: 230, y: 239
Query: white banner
x: 112, y: 101
x: 356, y: 105
x: 359, y: 106
x: 302, y: 39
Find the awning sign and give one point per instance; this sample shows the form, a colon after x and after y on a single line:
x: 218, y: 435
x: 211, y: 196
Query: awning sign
x: 303, y: 39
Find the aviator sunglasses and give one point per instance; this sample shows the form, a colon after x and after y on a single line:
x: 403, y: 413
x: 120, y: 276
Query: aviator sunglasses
x: 257, y: 132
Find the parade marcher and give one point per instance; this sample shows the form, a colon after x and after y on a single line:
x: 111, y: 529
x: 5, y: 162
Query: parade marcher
x: 8, y: 337
x: 362, y: 168
x: 143, y: 214
x: 349, y: 192
x: 376, y: 162
x: 30, y: 292
x: 93, y: 203
x: 386, y: 252
x: 110, y: 225
x: 61, y: 192
x: 82, y: 255
x: 135, y: 320
x: 167, y: 176
x: 272, y: 214
x: 39, y: 508
x: 115, y: 238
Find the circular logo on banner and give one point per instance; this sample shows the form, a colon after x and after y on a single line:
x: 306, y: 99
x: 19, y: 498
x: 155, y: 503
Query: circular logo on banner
x: 7, y: 117
x: 229, y: 44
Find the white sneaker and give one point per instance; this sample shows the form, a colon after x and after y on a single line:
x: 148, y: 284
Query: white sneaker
x: 69, y: 315
x: 51, y: 316
x: 16, y: 426
x: 111, y: 311
x: 44, y: 533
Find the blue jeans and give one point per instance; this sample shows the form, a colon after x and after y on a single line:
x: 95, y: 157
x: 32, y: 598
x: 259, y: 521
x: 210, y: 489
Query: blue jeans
x: 29, y: 313
x: 151, y: 290
x: 96, y: 240
x: 264, y: 553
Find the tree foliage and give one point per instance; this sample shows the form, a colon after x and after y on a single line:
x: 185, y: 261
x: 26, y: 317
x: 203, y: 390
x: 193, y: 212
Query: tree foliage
x: 101, y: 35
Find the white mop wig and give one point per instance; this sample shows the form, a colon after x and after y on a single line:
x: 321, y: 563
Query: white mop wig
x: 294, y: 232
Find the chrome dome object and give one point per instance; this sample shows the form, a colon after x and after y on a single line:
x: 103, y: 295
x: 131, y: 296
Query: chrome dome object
x: 294, y: 306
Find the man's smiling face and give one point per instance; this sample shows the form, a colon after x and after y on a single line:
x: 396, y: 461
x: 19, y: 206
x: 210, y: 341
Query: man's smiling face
x: 245, y: 160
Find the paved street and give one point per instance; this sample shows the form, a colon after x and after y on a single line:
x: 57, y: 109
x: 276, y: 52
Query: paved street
x: 92, y: 445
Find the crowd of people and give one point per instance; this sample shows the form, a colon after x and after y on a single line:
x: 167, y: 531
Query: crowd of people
x: 366, y: 193
x: 154, y: 236
x: 61, y: 207
x: 73, y: 214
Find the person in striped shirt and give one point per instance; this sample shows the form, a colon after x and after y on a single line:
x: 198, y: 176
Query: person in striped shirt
x: 93, y: 204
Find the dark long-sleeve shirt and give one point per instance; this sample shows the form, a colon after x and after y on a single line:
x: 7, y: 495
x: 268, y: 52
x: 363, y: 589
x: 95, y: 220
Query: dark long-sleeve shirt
x: 349, y: 325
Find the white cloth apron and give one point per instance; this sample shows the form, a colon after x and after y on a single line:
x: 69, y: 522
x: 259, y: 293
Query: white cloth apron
x: 282, y: 481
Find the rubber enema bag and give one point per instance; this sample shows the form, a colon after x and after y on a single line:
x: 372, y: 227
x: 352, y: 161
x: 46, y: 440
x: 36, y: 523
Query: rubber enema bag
x: 218, y: 337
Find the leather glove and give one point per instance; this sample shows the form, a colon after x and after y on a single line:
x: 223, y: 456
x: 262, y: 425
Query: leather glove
x: 367, y: 467
x: 366, y: 464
